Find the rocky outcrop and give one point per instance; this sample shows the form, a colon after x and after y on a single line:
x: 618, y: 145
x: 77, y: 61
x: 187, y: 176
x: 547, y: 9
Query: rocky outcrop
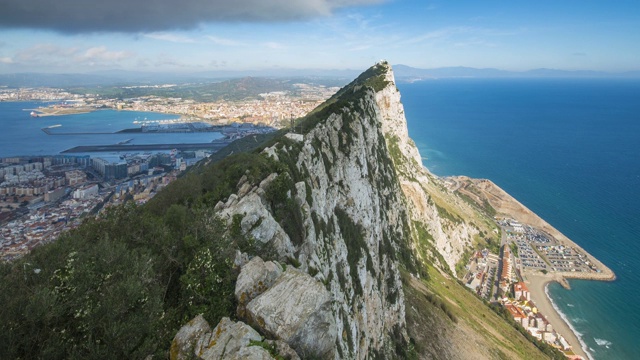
x: 357, y: 181
x: 183, y: 344
x: 352, y: 222
x: 257, y: 221
x: 228, y: 340
x: 297, y: 310
x: 255, y: 277
x: 231, y: 340
x: 450, y: 235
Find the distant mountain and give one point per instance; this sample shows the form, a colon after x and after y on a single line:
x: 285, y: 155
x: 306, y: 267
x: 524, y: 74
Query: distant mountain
x: 407, y: 74
x: 339, y: 77
x: 125, y: 77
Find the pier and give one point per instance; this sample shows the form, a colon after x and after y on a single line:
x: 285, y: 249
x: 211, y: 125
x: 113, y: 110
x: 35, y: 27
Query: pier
x: 215, y: 145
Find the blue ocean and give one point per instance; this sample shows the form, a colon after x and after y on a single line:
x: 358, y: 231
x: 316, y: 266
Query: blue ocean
x: 570, y: 151
x: 21, y: 134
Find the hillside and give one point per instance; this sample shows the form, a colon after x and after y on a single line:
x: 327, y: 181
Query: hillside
x: 332, y: 242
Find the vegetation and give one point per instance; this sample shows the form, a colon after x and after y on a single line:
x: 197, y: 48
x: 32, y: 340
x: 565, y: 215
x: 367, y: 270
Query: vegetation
x: 433, y: 330
x: 353, y: 235
x: 270, y: 347
x: 121, y: 285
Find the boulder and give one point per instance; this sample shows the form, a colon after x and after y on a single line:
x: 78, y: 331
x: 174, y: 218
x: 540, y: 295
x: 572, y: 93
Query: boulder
x: 230, y: 340
x: 255, y: 277
x: 182, y: 346
x: 297, y: 310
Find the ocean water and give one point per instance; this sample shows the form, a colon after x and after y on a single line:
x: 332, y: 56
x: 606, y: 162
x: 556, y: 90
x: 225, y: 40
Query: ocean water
x: 20, y: 134
x: 570, y: 151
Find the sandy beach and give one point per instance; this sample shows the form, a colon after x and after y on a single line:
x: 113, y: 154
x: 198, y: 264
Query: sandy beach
x: 537, y: 284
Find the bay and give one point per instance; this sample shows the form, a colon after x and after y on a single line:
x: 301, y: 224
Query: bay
x: 22, y: 135
x: 569, y: 150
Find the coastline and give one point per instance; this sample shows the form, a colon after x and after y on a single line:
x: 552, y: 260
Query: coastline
x: 538, y: 288
x: 505, y: 204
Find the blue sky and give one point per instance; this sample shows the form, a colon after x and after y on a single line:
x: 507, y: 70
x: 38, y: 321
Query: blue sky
x: 321, y: 34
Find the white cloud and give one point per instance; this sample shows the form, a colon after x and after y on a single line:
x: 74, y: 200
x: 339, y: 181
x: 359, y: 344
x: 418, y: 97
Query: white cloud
x: 42, y: 52
x: 6, y: 60
x: 52, y: 56
x: 100, y: 54
x: 169, y: 37
x: 222, y: 41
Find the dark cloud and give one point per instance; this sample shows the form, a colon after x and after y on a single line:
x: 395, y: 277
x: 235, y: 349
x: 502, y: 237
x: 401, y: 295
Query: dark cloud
x: 76, y: 16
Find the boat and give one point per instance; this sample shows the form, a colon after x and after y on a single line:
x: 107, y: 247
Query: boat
x: 34, y: 114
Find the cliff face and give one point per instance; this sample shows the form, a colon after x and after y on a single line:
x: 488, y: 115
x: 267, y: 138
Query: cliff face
x: 449, y: 236
x: 349, y: 206
x: 353, y: 219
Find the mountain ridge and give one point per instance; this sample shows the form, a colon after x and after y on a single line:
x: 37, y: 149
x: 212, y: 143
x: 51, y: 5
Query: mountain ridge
x: 336, y: 228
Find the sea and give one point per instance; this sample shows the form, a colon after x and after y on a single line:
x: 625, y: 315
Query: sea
x: 22, y: 135
x: 569, y: 150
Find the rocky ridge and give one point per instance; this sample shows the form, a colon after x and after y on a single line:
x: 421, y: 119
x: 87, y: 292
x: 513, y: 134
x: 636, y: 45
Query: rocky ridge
x: 361, y: 206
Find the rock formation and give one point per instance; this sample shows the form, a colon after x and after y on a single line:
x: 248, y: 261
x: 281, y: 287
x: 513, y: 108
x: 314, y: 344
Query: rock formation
x: 363, y: 205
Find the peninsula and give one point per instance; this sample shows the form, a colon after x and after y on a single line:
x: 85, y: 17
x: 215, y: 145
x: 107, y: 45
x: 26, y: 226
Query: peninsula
x: 540, y: 254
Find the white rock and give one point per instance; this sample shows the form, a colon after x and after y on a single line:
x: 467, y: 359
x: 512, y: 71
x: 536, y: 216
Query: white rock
x: 255, y: 277
x: 183, y: 344
x: 297, y: 310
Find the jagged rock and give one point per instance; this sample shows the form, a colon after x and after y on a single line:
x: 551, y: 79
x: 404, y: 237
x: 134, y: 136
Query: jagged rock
x: 244, y: 189
x: 264, y: 183
x: 182, y: 346
x: 271, y: 151
x: 250, y: 353
x: 255, y: 277
x: 283, y: 349
x: 230, y: 340
x: 294, y: 137
x: 297, y: 310
x: 258, y: 222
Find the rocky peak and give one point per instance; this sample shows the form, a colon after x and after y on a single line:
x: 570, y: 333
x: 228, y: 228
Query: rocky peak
x: 346, y: 209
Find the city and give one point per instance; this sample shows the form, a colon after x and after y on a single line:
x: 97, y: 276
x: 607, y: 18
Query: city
x: 40, y: 197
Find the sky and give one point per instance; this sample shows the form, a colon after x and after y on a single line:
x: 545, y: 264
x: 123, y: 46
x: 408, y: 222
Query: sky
x: 71, y: 36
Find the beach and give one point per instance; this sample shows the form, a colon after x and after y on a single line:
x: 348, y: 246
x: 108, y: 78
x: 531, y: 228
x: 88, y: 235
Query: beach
x: 507, y: 206
x: 537, y: 284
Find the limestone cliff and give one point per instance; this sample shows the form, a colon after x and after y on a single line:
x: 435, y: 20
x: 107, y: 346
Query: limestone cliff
x: 349, y: 205
x: 352, y: 214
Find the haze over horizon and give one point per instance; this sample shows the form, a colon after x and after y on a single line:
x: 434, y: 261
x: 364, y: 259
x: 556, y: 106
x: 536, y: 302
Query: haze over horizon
x: 199, y: 35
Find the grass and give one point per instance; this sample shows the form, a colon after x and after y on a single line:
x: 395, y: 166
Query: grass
x: 441, y: 300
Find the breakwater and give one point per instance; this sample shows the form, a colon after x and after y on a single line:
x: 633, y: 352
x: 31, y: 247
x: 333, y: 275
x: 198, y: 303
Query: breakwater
x: 214, y: 145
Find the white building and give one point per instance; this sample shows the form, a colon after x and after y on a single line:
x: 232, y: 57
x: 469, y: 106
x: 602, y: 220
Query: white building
x: 86, y: 192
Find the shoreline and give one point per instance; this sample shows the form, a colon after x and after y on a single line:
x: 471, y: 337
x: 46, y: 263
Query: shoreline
x: 538, y: 284
x: 505, y: 204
